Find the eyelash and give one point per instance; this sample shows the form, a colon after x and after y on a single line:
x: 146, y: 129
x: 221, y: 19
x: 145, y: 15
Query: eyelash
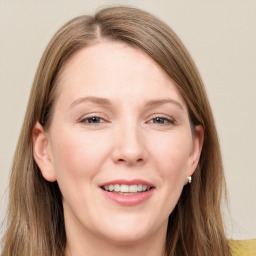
x: 88, y: 120
x: 96, y: 120
x: 168, y: 121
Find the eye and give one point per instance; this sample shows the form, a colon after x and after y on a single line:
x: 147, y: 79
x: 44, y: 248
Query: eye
x: 92, y: 120
x: 159, y: 120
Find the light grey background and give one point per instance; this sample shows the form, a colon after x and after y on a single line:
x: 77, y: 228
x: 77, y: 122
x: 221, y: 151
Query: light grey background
x: 221, y: 37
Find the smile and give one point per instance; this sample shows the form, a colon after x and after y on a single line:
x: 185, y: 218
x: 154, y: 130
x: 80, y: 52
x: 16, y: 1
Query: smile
x: 124, y: 189
x: 127, y: 193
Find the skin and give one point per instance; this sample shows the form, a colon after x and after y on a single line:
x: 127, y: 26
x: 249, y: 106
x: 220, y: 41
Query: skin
x: 141, y: 132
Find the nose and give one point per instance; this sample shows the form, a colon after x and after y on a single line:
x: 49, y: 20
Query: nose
x: 129, y: 146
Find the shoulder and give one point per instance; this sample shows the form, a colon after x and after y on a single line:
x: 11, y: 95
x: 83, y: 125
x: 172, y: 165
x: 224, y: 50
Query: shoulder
x: 243, y: 247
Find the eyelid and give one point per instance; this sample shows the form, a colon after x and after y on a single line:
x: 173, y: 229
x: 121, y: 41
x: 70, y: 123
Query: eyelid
x: 170, y: 119
x: 91, y: 115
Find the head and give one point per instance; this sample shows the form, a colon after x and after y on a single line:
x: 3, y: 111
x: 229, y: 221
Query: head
x: 147, y: 36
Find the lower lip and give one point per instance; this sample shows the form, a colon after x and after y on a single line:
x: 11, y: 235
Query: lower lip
x: 129, y: 200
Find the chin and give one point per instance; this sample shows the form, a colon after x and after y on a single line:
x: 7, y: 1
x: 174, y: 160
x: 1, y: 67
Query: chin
x: 126, y: 237
x: 127, y: 231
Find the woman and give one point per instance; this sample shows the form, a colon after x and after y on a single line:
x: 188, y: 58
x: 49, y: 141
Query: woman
x: 117, y: 123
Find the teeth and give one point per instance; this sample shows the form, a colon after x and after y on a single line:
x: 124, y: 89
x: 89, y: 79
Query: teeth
x: 133, y: 188
x: 123, y: 188
x: 116, y: 187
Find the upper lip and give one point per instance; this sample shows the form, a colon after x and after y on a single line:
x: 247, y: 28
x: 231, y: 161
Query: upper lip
x: 127, y: 182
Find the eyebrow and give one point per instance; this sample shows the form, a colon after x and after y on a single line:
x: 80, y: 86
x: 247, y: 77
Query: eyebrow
x: 157, y: 102
x: 107, y: 102
x: 97, y: 100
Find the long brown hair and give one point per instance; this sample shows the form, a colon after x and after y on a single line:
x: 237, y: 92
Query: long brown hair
x: 35, y: 223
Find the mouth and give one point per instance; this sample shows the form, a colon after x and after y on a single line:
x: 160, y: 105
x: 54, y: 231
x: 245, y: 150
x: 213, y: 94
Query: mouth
x: 127, y: 193
x: 124, y: 189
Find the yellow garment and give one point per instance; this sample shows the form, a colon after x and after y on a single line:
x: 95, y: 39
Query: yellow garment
x: 243, y: 247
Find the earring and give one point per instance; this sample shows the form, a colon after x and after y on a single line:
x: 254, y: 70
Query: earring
x: 189, y: 179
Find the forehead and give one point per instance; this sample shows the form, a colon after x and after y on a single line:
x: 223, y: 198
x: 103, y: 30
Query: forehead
x: 115, y: 70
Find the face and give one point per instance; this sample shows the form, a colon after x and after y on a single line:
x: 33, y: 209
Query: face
x: 120, y: 144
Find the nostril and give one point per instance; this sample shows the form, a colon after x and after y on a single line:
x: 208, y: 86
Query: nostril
x: 122, y: 161
x: 129, y: 161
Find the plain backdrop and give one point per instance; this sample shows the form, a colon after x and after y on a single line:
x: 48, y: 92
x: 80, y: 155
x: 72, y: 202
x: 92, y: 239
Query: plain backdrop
x: 221, y: 37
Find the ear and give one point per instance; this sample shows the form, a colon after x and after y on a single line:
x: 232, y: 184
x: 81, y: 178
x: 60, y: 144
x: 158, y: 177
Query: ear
x: 198, y: 140
x: 42, y: 153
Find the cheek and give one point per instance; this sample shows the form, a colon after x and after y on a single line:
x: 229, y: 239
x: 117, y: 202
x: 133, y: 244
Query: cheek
x: 171, y: 159
x: 76, y: 156
x: 171, y: 153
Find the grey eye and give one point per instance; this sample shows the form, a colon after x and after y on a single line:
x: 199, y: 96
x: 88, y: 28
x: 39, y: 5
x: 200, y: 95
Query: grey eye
x: 92, y: 120
x: 161, y: 120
